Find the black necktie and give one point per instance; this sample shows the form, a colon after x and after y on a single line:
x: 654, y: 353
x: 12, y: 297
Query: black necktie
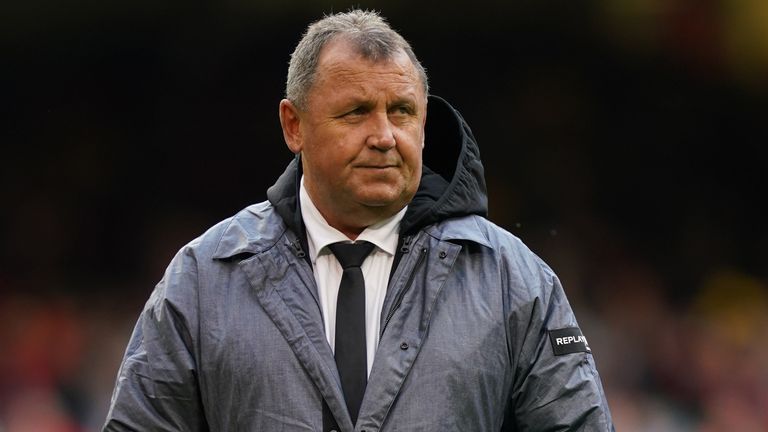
x: 350, y: 352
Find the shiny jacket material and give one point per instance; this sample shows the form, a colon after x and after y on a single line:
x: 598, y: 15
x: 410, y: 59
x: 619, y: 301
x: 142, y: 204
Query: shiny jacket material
x: 232, y: 337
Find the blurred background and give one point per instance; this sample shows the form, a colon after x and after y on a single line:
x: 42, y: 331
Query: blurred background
x: 624, y: 142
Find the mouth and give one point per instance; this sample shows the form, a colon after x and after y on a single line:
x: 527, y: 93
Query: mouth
x: 376, y: 165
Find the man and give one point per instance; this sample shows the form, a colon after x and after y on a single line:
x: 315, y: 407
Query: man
x: 446, y: 322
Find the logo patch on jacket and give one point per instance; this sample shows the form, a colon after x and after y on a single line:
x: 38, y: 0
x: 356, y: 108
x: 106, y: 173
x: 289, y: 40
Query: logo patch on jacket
x: 568, y: 340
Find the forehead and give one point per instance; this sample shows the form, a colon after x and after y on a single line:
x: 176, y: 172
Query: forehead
x: 341, y: 66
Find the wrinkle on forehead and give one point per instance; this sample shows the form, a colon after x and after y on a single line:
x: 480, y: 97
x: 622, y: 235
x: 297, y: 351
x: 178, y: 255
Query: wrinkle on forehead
x: 368, y: 83
x: 342, y: 62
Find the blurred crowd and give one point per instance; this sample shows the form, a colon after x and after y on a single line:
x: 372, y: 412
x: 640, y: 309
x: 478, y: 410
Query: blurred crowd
x: 625, y: 148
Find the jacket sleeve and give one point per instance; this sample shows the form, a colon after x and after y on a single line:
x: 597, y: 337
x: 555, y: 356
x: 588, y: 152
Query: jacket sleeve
x: 157, y: 387
x: 556, y: 386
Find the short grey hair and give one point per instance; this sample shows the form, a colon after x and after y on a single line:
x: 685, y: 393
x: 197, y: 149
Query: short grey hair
x: 366, y: 30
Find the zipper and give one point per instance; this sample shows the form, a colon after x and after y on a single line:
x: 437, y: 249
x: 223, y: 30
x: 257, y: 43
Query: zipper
x: 406, y: 244
x: 401, y: 294
x: 297, y: 248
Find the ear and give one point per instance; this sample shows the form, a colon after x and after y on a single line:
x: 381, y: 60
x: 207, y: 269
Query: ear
x: 290, y: 121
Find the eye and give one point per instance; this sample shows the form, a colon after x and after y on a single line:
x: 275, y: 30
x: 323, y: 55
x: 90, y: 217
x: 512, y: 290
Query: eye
x: 357, y: 111
x: 402, y: 109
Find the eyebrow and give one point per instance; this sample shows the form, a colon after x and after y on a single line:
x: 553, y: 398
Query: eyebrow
x: 402, y: 101
x: 367, y: 103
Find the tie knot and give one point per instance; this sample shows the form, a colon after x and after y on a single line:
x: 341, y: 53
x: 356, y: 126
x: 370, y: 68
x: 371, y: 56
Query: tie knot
x: 351, y: 254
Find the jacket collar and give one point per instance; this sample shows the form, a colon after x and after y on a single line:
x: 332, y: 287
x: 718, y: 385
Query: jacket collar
x: 253, y: 230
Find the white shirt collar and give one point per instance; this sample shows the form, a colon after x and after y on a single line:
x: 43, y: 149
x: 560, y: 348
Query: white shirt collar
x: 383, y: 234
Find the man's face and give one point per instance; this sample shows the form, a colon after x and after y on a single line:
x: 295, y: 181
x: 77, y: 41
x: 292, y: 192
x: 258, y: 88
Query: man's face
x: 361, y: 136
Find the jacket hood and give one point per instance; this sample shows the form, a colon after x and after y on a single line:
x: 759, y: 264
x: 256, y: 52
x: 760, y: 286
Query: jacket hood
x: 452, y: 181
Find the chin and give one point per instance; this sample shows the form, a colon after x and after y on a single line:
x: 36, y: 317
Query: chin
x: 384, y: 197
x: 378, y: 201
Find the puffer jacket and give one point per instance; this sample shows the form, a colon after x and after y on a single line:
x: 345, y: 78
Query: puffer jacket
x: 476, y: 331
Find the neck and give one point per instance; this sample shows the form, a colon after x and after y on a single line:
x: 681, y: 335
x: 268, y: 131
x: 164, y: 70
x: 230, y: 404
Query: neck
x: 352, y: 231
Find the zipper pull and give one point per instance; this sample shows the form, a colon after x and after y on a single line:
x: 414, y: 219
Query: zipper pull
x: 297, y: 248
x: 406, y: 244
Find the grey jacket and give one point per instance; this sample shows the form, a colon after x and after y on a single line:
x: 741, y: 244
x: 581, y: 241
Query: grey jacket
x: 477, y: 333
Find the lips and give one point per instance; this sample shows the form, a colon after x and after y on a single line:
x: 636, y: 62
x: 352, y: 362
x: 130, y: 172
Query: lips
x: 376, y: 164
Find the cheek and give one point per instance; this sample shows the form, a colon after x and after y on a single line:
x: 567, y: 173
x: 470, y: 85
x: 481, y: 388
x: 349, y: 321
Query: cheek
x: 325, y: 151
x: 411, y: 150
x: 414, y: 162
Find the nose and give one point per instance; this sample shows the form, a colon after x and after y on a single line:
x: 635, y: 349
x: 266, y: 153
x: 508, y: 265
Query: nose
x: 381, y: 135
